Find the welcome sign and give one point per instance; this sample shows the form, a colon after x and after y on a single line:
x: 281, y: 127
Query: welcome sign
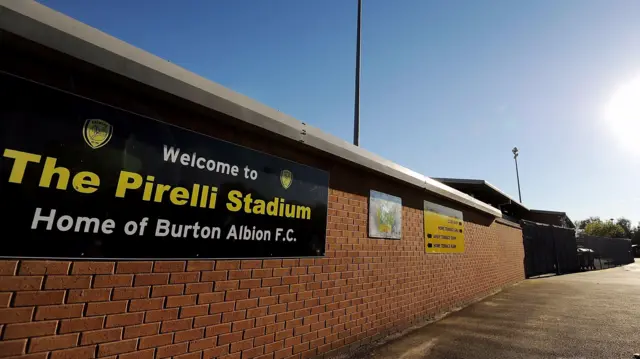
x: 82, y: 179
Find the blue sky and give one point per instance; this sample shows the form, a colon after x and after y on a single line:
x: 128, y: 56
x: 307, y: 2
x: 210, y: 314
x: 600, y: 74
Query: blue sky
x: 447, y: 89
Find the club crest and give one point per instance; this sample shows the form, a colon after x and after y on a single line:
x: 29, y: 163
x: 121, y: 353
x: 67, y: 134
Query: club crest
x: 96, y: 133
x: 286, y: 178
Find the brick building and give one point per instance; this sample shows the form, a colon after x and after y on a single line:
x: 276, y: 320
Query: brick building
x: 361, y: 290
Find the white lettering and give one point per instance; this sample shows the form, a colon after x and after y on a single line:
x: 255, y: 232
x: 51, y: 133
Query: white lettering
x: 171, y: 154
x: 66, y: 223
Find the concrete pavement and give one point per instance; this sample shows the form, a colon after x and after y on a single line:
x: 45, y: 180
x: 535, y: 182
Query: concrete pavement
x: 578, y: 316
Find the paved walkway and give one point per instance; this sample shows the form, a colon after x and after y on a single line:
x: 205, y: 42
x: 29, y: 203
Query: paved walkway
x: 577, y: 316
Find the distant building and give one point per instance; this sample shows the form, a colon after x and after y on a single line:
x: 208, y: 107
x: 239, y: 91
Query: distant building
x: 510, y: 208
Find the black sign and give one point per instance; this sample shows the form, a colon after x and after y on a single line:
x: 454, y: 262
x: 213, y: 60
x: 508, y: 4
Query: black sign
x: 82, y: 179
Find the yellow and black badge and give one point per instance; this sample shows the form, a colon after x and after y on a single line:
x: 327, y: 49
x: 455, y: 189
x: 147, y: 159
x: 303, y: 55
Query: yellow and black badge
x: 286, y: 178
x: 96, y: 133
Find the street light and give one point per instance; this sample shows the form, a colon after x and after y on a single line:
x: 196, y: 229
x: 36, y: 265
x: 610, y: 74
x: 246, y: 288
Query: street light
x: 356, y: 109
x: 515, y: 158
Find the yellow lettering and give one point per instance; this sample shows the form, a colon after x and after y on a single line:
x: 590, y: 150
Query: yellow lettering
x: 303, y: 212
x: 194, y: 194
x: 86, y: 182
x: 127, y: 180
x: 49, y: 170
x: 234, y: 197
x: 148, y: 188
x: 20, y: 160
x: 258, y: 207
x: 272, y: 207
x: 247, y: 203
x: 160, y: 190
x: 213, y: 198
x: 179, y: 196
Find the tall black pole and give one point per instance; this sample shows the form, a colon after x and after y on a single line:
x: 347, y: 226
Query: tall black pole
x: 515, y: 158
x: 356, y: 110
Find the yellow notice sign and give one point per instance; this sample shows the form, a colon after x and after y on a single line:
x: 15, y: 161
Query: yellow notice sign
x: 443, y: 229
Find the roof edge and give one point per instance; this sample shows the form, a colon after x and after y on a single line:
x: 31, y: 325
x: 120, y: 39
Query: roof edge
x: 47, y: 27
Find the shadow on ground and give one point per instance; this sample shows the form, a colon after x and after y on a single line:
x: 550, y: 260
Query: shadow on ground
x: 578, y: 316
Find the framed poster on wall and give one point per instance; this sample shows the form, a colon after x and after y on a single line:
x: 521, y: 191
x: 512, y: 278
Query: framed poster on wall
x: 385, y: 215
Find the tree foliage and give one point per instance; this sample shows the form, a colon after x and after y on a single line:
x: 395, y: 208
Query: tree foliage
x: 620, y: 228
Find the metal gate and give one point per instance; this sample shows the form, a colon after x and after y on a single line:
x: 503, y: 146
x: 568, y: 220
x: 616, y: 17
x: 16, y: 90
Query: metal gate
x: 549, y: 249
x: 609, y: 252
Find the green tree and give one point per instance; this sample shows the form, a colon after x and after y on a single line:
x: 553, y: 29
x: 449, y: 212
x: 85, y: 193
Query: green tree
x: 626, y: 226
x: 583, y: 223
x: 604, y: 229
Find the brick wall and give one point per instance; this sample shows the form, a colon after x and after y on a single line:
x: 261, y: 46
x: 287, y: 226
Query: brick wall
x: 361, y: 290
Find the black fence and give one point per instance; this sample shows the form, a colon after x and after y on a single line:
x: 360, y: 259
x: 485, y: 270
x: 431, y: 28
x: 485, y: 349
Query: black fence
x: 608, y: 252
x: 549, y: 249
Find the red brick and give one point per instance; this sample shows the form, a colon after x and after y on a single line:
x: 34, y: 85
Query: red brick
x: 169, y: 266
x: 200, y: 266
x: 134, y: 267
x: 166, y: 290
x: 262, y: 273
x: 242, y: 324
x: 271, y: 300
x: 215, y: 353
x: 252, y: 353
x: 207, y: 320
x: 214, y: 297
x: 272, y: 347
x: 8, y: 267
x: 131, y: 293
x: 256, y: 312
x: 171, y: 350
x: 59, y: 311
x: 16, y: 283
x: 194, y: 311
x: 264, y: 339
x: 283, y: 353
x: 300, y: 348
x: 119, y: 347
x: 270, y: 282
x: 278, y: 308
x: 259, y: 292
x: 88, y: 352
x: 142, y: 330
x: 26, y: 330
x: 5, y: 299
x: 250, y: 283
x: 12, y: 347
x: 189, y: 356
x: 155, y: 341
x: 88, y: 295
x: 240, y: 274
x: 181, y: 301
x: 25, y: 299
x: 160, y: 315
x: 195, y: 288
x: 67, y: 282
x: 80, y: 324
x: 45, y: 344
x: 123, y: 320
x: 218, y: 329
x: 262, y: 321
x: 106, y: 308
x: 236, y: 295
x: 188, y: 335
x: 213, y: 276
x: 140, y: 354
x: 227, y: 265
x: 241, y: 345
x: 151, y: 279
x: 253, y: 332
x: 272, y: 263
x: 265, y: 356
x: 185, y: 277
x: 226, y: 285
x: 221, y: 307
x: 202, y: 344
x: 101, y: 336
x: 44, y: 267
x: 176, y: 325
x: 136, y: 305
x: 229, y: 338
x: 93, y: 268
x: 251, y: 264
x: 116, y: 280
x: 247, y: 303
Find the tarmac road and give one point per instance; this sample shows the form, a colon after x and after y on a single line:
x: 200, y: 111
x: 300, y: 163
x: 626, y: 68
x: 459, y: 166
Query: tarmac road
x: 577, y: 316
